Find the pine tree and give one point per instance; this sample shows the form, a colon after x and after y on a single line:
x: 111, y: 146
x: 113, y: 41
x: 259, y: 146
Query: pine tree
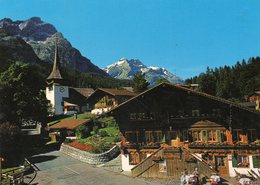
x: 140, y: 83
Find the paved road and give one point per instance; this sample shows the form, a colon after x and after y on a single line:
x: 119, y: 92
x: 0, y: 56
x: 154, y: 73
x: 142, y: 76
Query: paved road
x: 59, y: 169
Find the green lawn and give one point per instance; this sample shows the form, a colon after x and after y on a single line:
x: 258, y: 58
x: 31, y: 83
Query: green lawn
x: 105, y: 137
x: 113, y: 132
x: 79, y: 116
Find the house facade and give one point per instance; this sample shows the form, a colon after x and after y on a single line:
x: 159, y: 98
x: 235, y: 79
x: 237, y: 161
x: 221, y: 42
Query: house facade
x: 190, y: 126
x: 104, y: 99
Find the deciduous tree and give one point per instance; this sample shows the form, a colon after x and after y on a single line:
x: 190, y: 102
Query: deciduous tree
x: 21, y: 96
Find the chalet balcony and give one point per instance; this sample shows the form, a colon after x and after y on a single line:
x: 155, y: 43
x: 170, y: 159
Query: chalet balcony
x: 142, y: 145
x: 252, y: 146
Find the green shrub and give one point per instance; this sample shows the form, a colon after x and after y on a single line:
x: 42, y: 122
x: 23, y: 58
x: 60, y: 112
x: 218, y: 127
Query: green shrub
x: 82, y: 131
x: 118, y: 138
x: 107, y: 122
x: 100, y: 148
x: 95, y: 129
x: 67, y: 140
x: 103, y: 133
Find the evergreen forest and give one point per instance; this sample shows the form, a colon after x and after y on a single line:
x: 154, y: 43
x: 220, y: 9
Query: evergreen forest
x: 235, y: 83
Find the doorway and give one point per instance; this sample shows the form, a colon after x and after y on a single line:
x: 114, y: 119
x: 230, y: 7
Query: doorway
x: 221, y: 165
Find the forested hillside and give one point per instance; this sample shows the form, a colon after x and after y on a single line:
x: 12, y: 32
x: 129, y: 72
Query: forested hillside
x: 234, y: 83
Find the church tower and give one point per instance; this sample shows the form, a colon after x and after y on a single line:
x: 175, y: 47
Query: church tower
x: 56, y: 90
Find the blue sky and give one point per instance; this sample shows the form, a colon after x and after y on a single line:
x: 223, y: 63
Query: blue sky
x: 184, y: 36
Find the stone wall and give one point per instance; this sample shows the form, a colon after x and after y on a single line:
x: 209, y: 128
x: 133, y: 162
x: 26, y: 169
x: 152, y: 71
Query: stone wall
x: 88, y: 157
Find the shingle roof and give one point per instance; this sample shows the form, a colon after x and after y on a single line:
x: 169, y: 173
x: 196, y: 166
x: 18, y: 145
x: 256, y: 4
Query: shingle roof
x: 118, y: 92
x: 187, y: 90
x: 84, y: 91
x: 78, y: 95
x: 70, y: 124
x: 205, y: 123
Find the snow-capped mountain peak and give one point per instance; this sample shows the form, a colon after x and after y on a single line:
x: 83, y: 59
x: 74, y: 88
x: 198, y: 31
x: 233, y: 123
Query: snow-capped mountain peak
x: 125, y: 69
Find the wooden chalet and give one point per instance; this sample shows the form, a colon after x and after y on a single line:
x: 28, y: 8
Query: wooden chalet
x: 169, y: 127
x: 76, y: 102
x: 104, y: 99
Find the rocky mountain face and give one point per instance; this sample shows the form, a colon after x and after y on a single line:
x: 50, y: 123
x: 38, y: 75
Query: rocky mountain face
x: 14, y: 49
x: 41, y: 36
x: 125, y: 69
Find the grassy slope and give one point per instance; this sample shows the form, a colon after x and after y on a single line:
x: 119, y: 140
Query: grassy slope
x: 98, y: 141
x: 79, y: 116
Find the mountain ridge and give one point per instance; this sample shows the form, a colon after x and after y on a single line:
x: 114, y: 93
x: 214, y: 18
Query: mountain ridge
x: 41, y: 36
x: 125, y: 69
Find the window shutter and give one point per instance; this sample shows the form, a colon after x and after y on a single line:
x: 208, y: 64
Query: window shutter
x: 204, y: 136
x: 234, y: 161
x: 255, y: 162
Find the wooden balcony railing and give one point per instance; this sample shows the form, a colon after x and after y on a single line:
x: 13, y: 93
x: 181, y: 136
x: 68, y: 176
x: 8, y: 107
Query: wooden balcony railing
x: 223, y: 146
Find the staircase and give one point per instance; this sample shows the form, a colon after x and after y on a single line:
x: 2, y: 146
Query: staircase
x: 202, y: 165
x: 146, y: 163
x: 176, y: 162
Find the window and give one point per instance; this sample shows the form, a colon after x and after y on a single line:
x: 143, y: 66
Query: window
x: 220, y: 161
x: 172, y: 135
x: 141, y: 116
x: 184, y: 135
x: 204, y: 136
x: 133, y: 116
x: 134, y: 158
x: 222, y: 137
x: 251, y: 135
x: 256, y: 161
x: 195, y: 113
x: 215, y: 112
x: 153, y: 136
x: 212, y: 136
x: 132, y: 137
x: 242, y: 161
x: 162, y: 166
x: 236, y: 135
x: 196, y: 136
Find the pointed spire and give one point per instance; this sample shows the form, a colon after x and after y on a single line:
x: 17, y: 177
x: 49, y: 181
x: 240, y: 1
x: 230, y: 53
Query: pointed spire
x: 55, y: 74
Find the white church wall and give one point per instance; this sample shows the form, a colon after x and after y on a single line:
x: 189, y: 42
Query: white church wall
x: 50, y: 96
x: 55, y: 95
x: 60, y: 93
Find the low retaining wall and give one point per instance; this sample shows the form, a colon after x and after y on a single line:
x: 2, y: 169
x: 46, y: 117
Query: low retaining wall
x: 88, y: 157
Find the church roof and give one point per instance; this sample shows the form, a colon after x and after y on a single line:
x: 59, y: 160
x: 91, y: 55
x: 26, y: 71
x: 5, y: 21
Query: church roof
x: 55, y: 73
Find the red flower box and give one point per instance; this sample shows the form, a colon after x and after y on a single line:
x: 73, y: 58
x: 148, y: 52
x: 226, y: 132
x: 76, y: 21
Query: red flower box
x: 80, y: 146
